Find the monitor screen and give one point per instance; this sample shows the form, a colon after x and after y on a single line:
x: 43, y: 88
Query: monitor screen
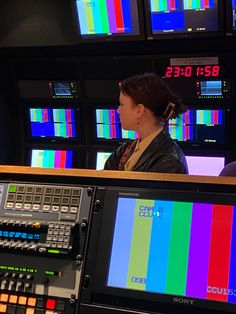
x: 62, y: 89
x: 48, y: 158
x: 233, y: 15
x: 101, y: 159
x: 108, y: 126
x: 162, y: 248
x: 109, y: 20
x: 53, y: 123
x: 205, y: 165
x: 181, y: 17
x: 198, y: 126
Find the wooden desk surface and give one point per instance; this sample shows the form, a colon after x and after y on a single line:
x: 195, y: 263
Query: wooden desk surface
x: 129, y: 175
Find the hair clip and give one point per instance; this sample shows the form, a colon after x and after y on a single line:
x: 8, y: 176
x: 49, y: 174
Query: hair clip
x: 168, y: 113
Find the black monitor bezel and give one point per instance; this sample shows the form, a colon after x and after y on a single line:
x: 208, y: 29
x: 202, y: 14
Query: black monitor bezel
x: 105, y: 39
x: 185, y: 35
x: 98, y: 265
x: 53, y: 104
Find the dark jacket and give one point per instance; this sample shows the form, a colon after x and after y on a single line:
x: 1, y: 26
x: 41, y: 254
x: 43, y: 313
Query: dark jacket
x: 162, y: 155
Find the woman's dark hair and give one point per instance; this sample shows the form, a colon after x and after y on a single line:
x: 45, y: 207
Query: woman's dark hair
x: 151, y: 91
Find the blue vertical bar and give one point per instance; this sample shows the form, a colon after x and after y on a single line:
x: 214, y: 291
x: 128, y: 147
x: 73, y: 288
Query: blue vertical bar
x: 82, y: 17
x: 220, y: 115
x: 232, y: 274
x: 69, y: 155
x: 211, y: 4
x: 120, y: 254
x: 126, y: 10
x: 159, y: 246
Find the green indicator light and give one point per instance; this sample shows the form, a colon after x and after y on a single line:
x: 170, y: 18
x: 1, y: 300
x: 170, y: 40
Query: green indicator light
x: 12, y: 188
x: 54, y: 251
x: 3, y: 267
x: 10, y: 268
x: 47, y: 272
x: 16, y: 269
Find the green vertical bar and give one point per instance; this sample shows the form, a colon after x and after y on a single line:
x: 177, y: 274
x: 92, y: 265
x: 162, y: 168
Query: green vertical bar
x: 165, y: 7
x: 40, y: 115
x: 208, y: 116
x: 157, y: 7
x: 63, y: 115
x: 104, y: 16
x: 89, y: 16
x: 140, y: 244
x: 180, y: 135
x: 51, y: 157
x: 179, y: 247
x: 189, y: 4
x: 198, y: 4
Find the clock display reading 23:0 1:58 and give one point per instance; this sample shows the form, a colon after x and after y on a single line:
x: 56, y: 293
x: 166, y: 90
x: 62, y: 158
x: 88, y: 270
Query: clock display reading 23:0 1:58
x: 192, y: 71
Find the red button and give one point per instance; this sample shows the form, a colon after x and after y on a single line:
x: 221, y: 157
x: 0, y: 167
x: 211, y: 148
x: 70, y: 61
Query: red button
x: 51, y: 304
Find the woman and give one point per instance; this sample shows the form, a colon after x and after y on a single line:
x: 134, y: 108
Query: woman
x: 146, y: 103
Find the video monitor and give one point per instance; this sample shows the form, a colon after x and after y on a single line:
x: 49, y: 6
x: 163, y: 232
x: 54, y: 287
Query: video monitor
x: 165, y: 251
x: 108, y: 126
x: 205, y: 165
x: 53, y: 123
x: 200, y: 126
x: 183, y: 18
x: 109, y: 20
x: 49, y: 158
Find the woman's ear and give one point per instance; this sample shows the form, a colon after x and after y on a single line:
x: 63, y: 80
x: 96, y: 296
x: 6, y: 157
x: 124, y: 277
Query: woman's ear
x: 140, y: 110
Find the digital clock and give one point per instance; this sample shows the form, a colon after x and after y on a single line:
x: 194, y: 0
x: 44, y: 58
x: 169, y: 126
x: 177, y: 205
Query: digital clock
x: 192, y: 71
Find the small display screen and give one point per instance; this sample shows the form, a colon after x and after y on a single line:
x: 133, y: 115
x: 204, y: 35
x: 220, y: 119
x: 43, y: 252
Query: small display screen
x: 211, y: 88
x: 187, y: 249
x: 183, y: 16
x: 108, y: 126
x: 199, y: 126
x: 205, y: 165
x: 46, y: 158
x: 108, y: 19
x: 9, y: 234
x: 53, y: 122
x: 101, y: 159
x: 63, y: 89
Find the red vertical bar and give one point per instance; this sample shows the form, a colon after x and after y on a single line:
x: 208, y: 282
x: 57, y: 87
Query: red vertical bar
x: 63, y: 159
x: 216, y: 117
x: 207, y: 4
x: 219, y: 260
x: 68, y: 115
x: 45, y: 115
x: 187, y: 137
x: 119, y: 16
x: 172, y: 5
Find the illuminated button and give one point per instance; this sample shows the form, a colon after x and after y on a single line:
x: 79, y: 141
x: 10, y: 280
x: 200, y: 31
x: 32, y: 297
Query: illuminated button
x: 4, y: 297
x: 29, y: 310
x: 46, y: 207
x: 29, y: 277
x: 59, y: 245
x: 27, y: 206
x: 32, y: 302
x: 50, y: 304
x: 64, y: 209
x: 3, y: 308
x: 49, y: 312
x: 74, y: 210
x: 21, y: 276
x: 55, y: 208
x: 13, y: 299
x: 22, y: 300
x: 18, y: 205
x: 9, y: 205
x: 49, y: 238
x: 36, y: 206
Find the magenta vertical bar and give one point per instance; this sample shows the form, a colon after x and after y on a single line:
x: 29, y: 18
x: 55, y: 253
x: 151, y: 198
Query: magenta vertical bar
x: 111, y: 16
x: 57, y: 159
x: 199, y: 251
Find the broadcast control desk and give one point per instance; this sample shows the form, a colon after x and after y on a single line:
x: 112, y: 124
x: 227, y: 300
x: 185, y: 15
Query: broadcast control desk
x: 102, y: 242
